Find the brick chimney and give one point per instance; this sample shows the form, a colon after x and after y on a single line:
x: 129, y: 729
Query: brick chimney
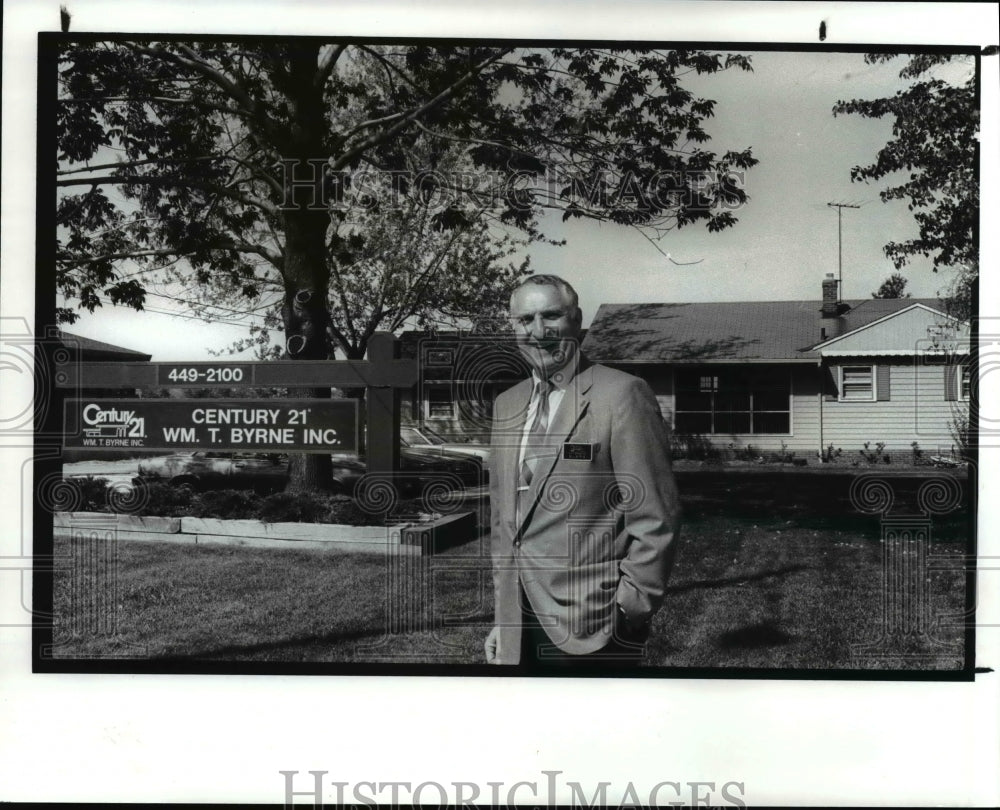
x: 831, y: 300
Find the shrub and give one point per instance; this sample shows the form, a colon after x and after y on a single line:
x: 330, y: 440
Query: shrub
x: 783, y: 456
x: 692, y: 446
x: 93, y: 493
x: 876, y: 455
x: 961, y: 433
x: 304, y: 507
x: 226, y: 504
x: 292, y: 507
x: 829, y: 455
x: 164, y: 500
x: 343, y: 509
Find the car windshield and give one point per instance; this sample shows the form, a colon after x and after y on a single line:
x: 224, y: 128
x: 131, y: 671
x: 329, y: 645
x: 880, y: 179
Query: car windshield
x: 411, y: 436
x: 435, y: 438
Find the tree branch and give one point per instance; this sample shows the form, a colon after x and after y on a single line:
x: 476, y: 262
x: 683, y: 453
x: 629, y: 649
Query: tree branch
x: 374, y: 122
x: 120, y: 164
x: 129, y: 254
x: 327, y: 63
x: 338, y: 280
x: 228, y: 86
x: 249, y: 199
x: 439, y: 99
x: 241, y: 247
x: 415, y: 290
x: 219, y: 79
x: 192, y: 101
x: 388, y: 65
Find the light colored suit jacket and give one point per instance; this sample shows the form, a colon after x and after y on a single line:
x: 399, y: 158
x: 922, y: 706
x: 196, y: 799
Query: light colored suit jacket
x: 598, y: 525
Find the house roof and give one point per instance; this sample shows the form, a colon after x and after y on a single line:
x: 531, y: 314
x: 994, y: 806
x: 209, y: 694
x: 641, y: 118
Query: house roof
x: 411, y: 339
x: 732, y: 331
x: 90, y: 349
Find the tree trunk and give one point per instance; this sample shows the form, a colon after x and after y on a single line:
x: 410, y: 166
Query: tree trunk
x: 306, y: 275
x: 306, y: 315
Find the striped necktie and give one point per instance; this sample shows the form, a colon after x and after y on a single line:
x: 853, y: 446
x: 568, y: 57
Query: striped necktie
x: 536, y: 436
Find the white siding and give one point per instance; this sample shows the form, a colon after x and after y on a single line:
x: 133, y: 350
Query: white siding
x: 806, y: 408
x: 911, y: 330
x: 916, y: 412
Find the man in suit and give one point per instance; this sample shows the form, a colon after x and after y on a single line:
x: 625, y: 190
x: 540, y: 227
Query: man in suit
x: 584, y: 505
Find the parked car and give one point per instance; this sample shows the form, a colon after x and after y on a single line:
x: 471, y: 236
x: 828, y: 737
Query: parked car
x: 203, y: 470
x: 420, y: 466
x: 425, y: 438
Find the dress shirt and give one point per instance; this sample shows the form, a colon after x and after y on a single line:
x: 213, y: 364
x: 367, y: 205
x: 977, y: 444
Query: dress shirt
x: 560, y: 382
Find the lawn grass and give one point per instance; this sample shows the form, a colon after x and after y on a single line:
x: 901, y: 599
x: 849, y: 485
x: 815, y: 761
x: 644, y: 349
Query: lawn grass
x: 210, y: 602
x: 778, y: 594
x: 778, y: 582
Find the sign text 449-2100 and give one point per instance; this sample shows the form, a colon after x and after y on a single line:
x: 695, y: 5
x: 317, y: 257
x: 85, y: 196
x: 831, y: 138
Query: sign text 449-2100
x: 301, y: 425
x: 205, y: 374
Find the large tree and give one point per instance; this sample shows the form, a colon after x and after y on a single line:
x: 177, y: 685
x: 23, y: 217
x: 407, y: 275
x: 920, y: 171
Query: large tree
x: 893, y: 287
x: 930, y: 160
x: 282, y: 164
x: 393, y: 263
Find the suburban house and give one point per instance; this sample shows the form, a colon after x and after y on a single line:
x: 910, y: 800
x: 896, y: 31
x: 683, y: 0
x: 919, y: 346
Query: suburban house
x: 460, y: 376
x: 798, y: 375
x: 88, y: 350
x: 802, y: 376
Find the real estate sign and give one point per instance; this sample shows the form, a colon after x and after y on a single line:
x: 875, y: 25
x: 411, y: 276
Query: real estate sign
x: 289, y: 425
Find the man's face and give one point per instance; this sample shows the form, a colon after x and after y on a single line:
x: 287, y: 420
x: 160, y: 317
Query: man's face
x: 546, y: 325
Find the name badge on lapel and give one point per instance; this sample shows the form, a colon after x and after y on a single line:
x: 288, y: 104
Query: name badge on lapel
x: 579, y: 451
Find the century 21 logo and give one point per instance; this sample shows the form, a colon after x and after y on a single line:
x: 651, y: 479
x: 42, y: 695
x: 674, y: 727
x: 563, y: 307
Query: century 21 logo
x: 112, y: 422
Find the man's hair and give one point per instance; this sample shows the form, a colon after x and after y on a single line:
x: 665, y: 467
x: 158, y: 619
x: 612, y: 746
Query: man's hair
x: 549, y: 280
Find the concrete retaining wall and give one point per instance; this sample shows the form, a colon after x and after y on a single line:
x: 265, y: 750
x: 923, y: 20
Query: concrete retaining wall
x: 409, y: 539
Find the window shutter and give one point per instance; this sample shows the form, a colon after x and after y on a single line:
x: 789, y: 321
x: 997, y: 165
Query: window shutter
x: 950, y: 377
x: 882, y: 383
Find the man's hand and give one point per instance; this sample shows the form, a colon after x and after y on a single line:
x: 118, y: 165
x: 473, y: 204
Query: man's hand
x: 631, y: 631
x: 492, y: 645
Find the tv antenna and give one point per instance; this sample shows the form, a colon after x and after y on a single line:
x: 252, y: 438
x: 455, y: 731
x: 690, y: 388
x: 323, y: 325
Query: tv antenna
x: 840, y: 245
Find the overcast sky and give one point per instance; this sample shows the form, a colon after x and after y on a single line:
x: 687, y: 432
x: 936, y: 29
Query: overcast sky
x: 781, y: 248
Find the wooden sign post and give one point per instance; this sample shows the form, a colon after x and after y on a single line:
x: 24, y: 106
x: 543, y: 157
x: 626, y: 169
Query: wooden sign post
x: 383, y: 404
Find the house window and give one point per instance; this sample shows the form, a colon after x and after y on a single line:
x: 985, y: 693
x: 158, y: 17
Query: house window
x: 857, y: 383
x: 736, y: 401
x: 964, y: 381
x: 439, y: 403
